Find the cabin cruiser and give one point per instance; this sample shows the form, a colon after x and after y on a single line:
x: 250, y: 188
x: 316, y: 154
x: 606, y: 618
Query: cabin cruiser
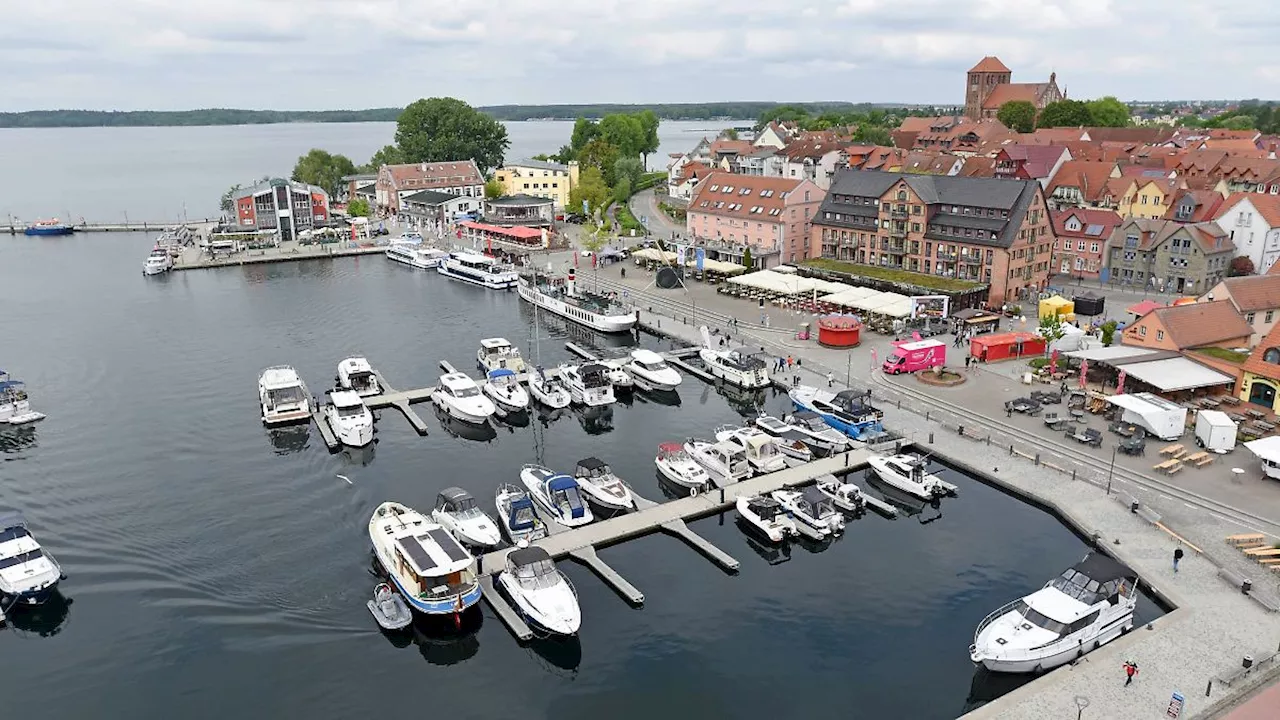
x: 458, y: 512
x: 434, y: 573
x: 499, y: 354
x: 907, y: 473
x: 601, y: 486
x: 651, y: 372
x: 517, y: 516
x: 812, y: 508
x: 1087, y: 606
x: 159, y: 261
x: 766, y: 515
x: 549, y: 391
x: 477, y: 269
x: 540, y: 592
x: 736, y: 366
x: 674, y: 464
x: 561, y: 297
x: 504, y: 389
x: 764, y: 452
x: 618, y: 378
x: 791, y: 442
x: 847, y: 411
x: 283, y: 396
x: 414, y: 255
x: 588, y: 384
x: 28, y: 574
x: 558, y: 493
x: 15, y: 408
x: 350, y: 420
x: 357, y: 375
x: 846, y: 496
x: 814, y: 431
x: 725, y: 462
x: 457, y: 395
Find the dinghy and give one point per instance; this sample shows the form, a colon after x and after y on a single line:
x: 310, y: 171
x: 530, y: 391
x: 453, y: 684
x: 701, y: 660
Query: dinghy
x: 388, y: 609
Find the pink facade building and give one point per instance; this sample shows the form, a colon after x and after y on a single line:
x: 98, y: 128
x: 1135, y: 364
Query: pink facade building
x: 730, y: 213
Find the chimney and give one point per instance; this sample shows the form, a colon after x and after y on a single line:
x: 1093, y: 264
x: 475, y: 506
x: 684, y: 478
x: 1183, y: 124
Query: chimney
x: 424, y: 167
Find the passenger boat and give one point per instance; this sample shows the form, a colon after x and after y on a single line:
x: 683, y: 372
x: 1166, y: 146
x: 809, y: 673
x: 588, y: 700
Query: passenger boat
x: 651, y: 372
x: 458, y: 512
x: 763, y: 451
x: 674, y: 464
x: 499, y: 354
x: 562, y: 298
x: 736, y: 366
x: 557, y: 493
x: 549, y: 391
x: 15, y: 408
x: 502, y: 387
x: 1087, y: 606
x: 48, y: 227
x: 28, y: 574
x: 414, y: 254
x: 601, y: 486
x: 767, y: 516
x: 357, y: 375
x: 350, y: 420
x: 457, y: 395
x: 815, y: 432
x: 434, y: 573
x: 541, y: 593
x: 478, y: 269
x: 588, y: 384
x: 813, y: 508
x: 847, y: 411
x: 159, y: 261
x: 725, y: 462
x: 283, y: 396
x: 846, y: 496
x: 518, y: 518
x: 907, y: 473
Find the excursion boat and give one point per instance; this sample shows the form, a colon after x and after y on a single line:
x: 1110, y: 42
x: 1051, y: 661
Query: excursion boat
x: 350, y: 420
x: 159, y: 261
x: 558, y: 493
x: 477, y: 269
x: 764, y: 452
x: 907, y: 473
x: 541, y: 593
x: 847, y: 411
x: 356, y: 374
x: 1087, y: 606
x: 674, y: 463
x: 549, y: 391
x: 499, y: 354
x: 813, y: 508
x: 767, y: 516
x: 48, y: 227
x: 846, y: 496
x: 736, y: 366
x: 15, y: 408
x: 815, y: 432
x: 517, y: 516
x: 588, y: 383
x: 283, y: 396
x: 506, y: 391
x: 725, y: 462
x: 457, y: 395
x: 434, y: 573
x: 458, y: 512
x: 415, y: 255
x: 28, y: 574
x: 601, y: 486
x: 561, y: 297
x: 651, y: 372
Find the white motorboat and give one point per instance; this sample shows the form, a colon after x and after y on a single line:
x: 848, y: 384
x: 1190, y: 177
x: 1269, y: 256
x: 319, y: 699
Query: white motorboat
x: 588, y: 383
x: 415, y: 255
x: 28, y: 573
x: 561, y: 297
x: 815, y: 432
x: 458, y: 512
x: 618, y: 378
x: 651, y: 372
x: 350, y: 420
x: 764, y: 452
x: 737, y: 366
x: 283, y: 396
x: 15, y: 407
x: 457, y: 395
x: 540, y: 592
x: 791, y: 442
x: 674, y: 464
x: 766, y: 515
x: 549, y: 391
x: 159, y: 261
x: 434, y: 573
x: 907, y: 473
x: 557, y: 493
x: 499, y: 354
x: 813, y: 508
x: 1084, y: 608
x: 389, y: 609
x: 725, y: 462
x: 478, y: 269
x: 518, y: 518
x: 601, y: 486
x: 846, y: 496
x: 504, y: 389
x: 357, y: 375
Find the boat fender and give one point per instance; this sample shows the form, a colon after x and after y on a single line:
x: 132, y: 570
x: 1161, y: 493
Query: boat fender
x: 693, y: 491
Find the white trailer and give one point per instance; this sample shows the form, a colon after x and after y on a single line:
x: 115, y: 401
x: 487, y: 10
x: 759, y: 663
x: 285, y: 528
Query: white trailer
x: 1268, y: 451
x: 1215, y: 431
x: 1164, y: 419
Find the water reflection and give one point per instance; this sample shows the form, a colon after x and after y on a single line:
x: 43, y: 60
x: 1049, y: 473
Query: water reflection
x: 446, y: 640
x: 16, y: 439
x: 595, y: 420
x: 746, y: 403
x: 547, y: 415
x: 925, y: 511
x: 467, y: 431
x: 553, y: 327
x: 772, y: 553
x: 987, y: 686
x: 558, y: 655
x: 509, y: 420
x: 669, y: 398
x: 361, y: 456
x: 290, y: 439
x: 45, y: 620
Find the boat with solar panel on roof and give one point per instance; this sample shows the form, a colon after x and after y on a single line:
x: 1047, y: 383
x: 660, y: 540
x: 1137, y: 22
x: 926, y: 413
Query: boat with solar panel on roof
x: 426, y: 564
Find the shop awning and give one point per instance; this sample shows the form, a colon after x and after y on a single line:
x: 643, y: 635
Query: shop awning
x: 1114, y: 355
x: 1177, y: 373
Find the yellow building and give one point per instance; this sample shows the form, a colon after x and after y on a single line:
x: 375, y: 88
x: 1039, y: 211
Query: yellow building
x: 540, y: 179
x: 1147, y: 198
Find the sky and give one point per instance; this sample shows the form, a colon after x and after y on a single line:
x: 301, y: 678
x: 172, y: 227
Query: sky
x: 332, y: 54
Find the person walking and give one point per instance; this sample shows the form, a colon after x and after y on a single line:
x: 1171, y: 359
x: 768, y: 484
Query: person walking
x: 1177, y: 557
x: 1130, y: 669
x: 831, y: 379
x: 790, y: 362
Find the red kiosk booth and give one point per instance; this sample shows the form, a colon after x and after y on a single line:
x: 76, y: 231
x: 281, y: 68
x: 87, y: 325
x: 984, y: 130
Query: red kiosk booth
x: 994, y: 347
x: 839, y: 331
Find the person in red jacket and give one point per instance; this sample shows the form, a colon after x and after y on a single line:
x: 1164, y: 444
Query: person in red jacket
x: 1130, y: 669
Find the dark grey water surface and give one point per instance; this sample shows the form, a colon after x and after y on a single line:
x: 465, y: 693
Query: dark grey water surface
x: 220, y: 570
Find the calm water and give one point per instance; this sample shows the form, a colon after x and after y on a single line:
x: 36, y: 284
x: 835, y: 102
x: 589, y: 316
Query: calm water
x: 220, y: 570
x: 155, y: 174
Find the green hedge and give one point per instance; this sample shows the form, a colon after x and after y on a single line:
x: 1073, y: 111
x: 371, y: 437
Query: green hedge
x: 627, y: 221
x: 649, y: 180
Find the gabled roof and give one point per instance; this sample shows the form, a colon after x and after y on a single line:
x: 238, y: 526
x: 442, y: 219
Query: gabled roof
x: 1266, y: 205
x: 1254, y: 292
x: 731, y: 147
x: 1211, y: 238
x: 813, y: 145
x: 1204, y: 205
x: 427, y: 176
x: 1090, y: 176
x: 1014, y: 92
x: 1255, y: 364
x: 764, y: 196
x: 1037, y: 160
x: 1095, y: 223
x: 1202, y: 323
x: 990, y: 63
x: 978, y: 167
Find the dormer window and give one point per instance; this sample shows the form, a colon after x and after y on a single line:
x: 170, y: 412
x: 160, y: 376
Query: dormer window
x: 1272, y: 355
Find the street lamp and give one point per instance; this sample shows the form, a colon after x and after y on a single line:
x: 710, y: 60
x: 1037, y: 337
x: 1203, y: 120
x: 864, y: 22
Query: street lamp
x: 1111, y: 471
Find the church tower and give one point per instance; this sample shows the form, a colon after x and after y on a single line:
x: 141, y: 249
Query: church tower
x: 980, y: 81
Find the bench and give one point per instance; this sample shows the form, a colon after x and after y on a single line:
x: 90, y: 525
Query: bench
x: 1264, y: 551
x: 1270, y: 561
x: 1245, y: 538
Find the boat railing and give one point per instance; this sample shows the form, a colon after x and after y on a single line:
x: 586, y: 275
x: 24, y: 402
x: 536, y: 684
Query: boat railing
x: 572, y: 589
x: 998, y: 613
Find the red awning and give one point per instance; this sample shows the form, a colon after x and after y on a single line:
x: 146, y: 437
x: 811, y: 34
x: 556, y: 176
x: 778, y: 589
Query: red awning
x: 516, y: 233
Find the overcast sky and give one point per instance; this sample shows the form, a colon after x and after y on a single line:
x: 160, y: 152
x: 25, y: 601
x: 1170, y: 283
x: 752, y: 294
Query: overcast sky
x: 324, y: 54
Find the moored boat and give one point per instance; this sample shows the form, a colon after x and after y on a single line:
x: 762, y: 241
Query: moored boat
x: 549, y: 391
x: 562, y: 297
x: 847, y: 411
x: 517, y: 516
x: 541, y: 593
x: 767, y: 516
x: 477, y: 269
x: 763, y: 451
x: 651, y: 371
x: 159, y: 261
x: 499, y: 354
x: 846, y: 496
x: 601, y: 486
x: 350, y: 420
x: 812, y: 508
x: 48, y: 228
x: 725, y: 462
x: 389, y: 609
x: 588, y: 383
x: 457, y: 395
x: 458, y: 512
x: 414, y: 254
x: 736, y: 366
x: 813, y: 431
x: 558, y: 494
x: 357, y: 375
x: 908, y: 473
x: 28, y: 573
x: 673, y: 463
x: 432, y: 571
x: 15, y: 407
x: 502, y: 387
x: 283, y: 396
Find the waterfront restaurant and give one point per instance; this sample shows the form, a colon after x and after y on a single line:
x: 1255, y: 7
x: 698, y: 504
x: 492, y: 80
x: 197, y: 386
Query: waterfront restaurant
x: 511, y: 239
x: 520, y: 210
x: 284, y: 206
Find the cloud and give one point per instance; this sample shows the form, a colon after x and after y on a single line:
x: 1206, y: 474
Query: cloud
x: 311, y: 54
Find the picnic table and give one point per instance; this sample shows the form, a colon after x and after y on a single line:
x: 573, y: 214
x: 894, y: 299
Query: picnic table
x: 1199, y: 459
x: 1169, y: 467
x: 1255, y: 414
x: 1126, y: 430
x: 1174, y: 451
x: 1231, y: 399
x: 1077, y: 413
x: 1236, y: 417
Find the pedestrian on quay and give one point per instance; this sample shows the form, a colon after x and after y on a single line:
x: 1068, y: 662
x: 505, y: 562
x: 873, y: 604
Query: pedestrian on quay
x: 624, y: 273
x: 1130, y: 669
x: 790, y: 361
x: 831, y: 379
x: 967, y: 360
x: 1177, y: 557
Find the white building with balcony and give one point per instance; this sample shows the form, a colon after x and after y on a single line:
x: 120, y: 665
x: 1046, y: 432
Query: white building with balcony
x: 1253, y: 222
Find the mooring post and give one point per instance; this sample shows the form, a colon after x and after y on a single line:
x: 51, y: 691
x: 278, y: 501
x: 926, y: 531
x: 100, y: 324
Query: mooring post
x: 1037, y: 458
x: 930, y: 437
x: 926, y: 416
x: 1011, y: 451
x: 1208, y: 688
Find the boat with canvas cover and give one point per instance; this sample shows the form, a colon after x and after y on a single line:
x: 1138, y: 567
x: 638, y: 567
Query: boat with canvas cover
x: 459, y: 513
x: 558, y: 494
x: 519, y: 520
x: 505, y: 390
x: 430, y: 568
x: 725, y: 462
x: 811, y: 507
x: 357, y: 375
x: 764, y: 451
x: 541, y: 593
x: 847, y: 411
x: 767, y: 516
x: 815, y: 432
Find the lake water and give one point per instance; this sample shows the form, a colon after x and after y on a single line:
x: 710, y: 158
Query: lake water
x: 158, y: 174
x: 217, y: 569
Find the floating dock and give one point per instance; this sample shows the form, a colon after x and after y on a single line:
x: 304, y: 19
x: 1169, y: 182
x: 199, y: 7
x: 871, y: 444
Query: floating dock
x: 389, y: 397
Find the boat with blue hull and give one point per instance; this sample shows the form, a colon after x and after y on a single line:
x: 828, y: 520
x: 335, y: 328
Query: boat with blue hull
x: 45, y: 228
x: 428, y: 566
x: 847, y: 411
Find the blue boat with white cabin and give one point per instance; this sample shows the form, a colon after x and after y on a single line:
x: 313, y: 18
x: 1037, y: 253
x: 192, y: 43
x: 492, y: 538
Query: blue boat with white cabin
x: 848, y: 411
x: 48, y: 228
x: 427, y: 565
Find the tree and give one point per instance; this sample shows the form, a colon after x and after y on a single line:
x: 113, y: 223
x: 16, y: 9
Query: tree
x: 321, y: 169
x: 599, y: 154
x: 624, y: 132
x: 649, y: 121
x: 494, y: 189
x: 1051, y: 329
x: 872, y: 135
x: 594, y: 239
x: 1238, y: 122
x: 584, y: 131
x: 359, y: 207
x: 1108, y: 112
x: 1240, y: 266
x: 1064, y: 113
x: 747, y: 261
x: 629, y: 169
x: 622, y: 191
x: 731, y: 134
x: 591, y: 188
x: 1109, y: 332
x: 440, y: 129
x: 1018, y: 115
x: 228, y: 202
x: 388, y: 155
x: 783, y: 113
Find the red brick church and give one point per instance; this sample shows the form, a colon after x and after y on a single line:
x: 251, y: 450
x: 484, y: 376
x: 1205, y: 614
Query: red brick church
x: 988, y: 87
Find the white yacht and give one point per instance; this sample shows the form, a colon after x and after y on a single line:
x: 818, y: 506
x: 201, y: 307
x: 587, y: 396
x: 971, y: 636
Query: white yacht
x: 1084, y: 608
x: 458, y: 512
x: 499, y: 354
x: 557, y: 493
x: 813, y: 508
x: 601, y: 486
x: 505, y: 390
x: 357, y: 375
x: 518, y: 518
x: 674, y: 463
x: 415, y: 255
x: 618, y: 378
x: 815, y: 432
x: 846, y: 496
x: 549, y: 391
x: 907, y: 473
x: 159, y: 261
x: 588, y: 384
x: 736, y: 366
x: 766, y: 515
x: 651, y: 372
x: 457, y: 395
x: 283, y: 396
x: 15, y: 408
x: 28, y: 574
x: 540, y: 592
x: 725, y: 462
x: 434, y: 573
x: 478, y: 269
x: 350, y: 420
x: 561, y: 297
x: 764, y: 452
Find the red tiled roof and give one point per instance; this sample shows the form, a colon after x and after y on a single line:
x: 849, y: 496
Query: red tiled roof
x: 1090, y: 176
x: 981, y: 167
x: 1205, y: 205
x: 1108, y: 220
x: 731, y: 147
x: 1254, y: 292
x: 711, y: 190
x: 427, y: 176
x: 1012, y: 92
x: 1037, y: 160
x: 990, y: 63
x: 814, y: 145
x: 522, y: 233
x: 1143, y: 307
x: 1256, y: 365
x: 1202, y: 323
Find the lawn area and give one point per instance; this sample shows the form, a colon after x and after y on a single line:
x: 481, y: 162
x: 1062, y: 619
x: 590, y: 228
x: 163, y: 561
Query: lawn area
x: 905, y: 277
x: 1223, y: 354
x: 627, y: 221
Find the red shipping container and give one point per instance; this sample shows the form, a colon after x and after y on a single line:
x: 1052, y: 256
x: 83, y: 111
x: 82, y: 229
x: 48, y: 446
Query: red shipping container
x: 994, y: 347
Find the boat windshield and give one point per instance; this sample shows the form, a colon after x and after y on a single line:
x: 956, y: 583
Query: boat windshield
x: 284, y: 396
x: 538, y: 575
x: 465, y: 392
x: 353, y: 411
x: 654, y: 366
x: 1058, y: 628
x: 1083, y: 588
x: 523, y: 517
